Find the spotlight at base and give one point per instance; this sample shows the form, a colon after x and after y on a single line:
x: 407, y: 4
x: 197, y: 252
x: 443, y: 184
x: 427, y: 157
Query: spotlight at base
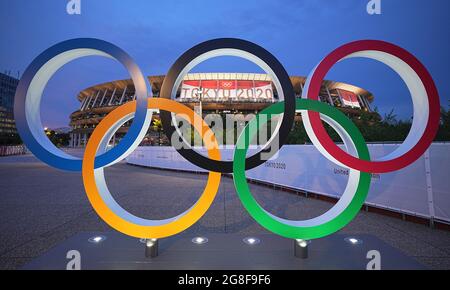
x: 199, y: 240
x: 97, y: 239
x: 150, y: 242
x: 302, y: 243
x: 353, y: 241
x: 252, y: 241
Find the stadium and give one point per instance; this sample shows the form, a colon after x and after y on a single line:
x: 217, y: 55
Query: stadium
x: 219, y: 93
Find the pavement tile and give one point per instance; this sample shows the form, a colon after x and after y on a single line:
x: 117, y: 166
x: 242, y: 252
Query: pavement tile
x: 51, y: 206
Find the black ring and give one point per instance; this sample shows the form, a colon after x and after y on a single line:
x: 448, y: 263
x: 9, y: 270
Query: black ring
x: 238, y: 44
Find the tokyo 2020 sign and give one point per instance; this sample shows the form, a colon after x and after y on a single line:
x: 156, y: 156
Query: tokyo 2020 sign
x: 356, y: 157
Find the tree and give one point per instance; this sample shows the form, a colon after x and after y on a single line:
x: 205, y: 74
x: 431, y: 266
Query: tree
x: 58, y: 139
x: 391, y: 118
x: 444, y: 129
x: 375, y: 129
x: 158, y: 127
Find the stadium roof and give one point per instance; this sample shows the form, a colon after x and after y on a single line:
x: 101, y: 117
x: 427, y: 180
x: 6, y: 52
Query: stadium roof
x: 156, y: 82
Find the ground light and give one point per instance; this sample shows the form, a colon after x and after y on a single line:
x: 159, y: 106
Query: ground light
x: 301, y: 248
x: 97, y: 239
x: 200, y: 240
x: 353, y: 241
x: 251, y: 241
x: 151, y: 248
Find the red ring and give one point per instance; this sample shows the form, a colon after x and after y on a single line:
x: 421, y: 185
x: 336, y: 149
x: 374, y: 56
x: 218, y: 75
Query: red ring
x: 433, y: 101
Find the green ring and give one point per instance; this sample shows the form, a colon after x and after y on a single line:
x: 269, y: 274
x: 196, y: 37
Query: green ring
x: 264, y: 218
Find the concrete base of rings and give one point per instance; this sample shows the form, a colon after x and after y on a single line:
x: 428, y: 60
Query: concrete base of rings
x: 222, y: 252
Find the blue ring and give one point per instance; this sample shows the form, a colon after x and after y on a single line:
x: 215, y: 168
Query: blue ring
x: 27, y: 111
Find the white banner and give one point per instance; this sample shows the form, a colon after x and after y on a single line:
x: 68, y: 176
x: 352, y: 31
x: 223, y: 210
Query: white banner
x: 349, y: 99
x: 302, y: 167
x: 226, y: 89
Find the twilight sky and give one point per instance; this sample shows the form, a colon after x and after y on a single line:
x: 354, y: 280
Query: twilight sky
x: 298, y: 32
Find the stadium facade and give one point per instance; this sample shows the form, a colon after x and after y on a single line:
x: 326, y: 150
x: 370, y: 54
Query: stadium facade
x: 220, y: 93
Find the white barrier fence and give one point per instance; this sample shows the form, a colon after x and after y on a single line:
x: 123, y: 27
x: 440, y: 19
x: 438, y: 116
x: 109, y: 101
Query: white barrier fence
x: 12, y: 150
x: 422, y: 189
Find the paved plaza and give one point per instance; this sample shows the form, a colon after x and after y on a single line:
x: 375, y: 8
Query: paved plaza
x: 42, y: 207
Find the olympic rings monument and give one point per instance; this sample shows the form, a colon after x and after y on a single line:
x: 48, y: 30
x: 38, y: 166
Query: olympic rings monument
x: 332, y: 250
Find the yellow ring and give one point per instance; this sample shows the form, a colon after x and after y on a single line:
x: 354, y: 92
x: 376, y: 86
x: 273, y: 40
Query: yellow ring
x: 141, y: 231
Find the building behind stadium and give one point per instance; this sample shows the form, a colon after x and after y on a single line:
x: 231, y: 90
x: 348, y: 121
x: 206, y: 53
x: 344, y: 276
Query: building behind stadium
x: 8, y: 131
